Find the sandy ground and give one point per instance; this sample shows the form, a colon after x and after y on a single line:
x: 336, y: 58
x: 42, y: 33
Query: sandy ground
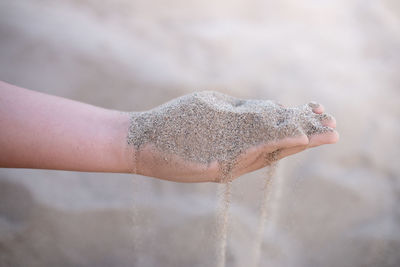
x: 332, y: 206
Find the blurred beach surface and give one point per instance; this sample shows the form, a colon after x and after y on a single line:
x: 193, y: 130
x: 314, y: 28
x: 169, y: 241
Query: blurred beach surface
x: 336, y: 205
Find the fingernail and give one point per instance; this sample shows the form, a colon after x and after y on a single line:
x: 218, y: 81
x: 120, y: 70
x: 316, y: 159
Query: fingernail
x: 313, y: 104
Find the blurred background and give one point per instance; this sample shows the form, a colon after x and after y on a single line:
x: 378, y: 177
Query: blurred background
x: 335, y: 205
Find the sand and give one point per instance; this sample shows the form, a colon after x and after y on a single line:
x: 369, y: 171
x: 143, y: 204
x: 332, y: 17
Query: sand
x: 205, y: 127
x: 224, y: 201
x: 269, y: 176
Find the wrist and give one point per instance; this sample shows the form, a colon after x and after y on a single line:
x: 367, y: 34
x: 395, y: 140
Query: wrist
x: 117, y: 124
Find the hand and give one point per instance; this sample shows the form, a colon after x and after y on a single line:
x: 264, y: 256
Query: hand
x: 308, y: 127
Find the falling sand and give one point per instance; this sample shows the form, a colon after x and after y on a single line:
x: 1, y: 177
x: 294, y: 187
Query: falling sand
x: 224, y: 200
x: 208, y: 127
x: 263, y: 215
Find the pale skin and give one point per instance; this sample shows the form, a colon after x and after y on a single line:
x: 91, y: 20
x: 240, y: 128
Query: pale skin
x: 42, y: 131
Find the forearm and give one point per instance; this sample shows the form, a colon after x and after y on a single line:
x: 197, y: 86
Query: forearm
x: 49, y: 132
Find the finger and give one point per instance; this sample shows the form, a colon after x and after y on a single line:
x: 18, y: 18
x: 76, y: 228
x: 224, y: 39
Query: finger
x: 329, y: 137
x: 265, y: 159
x: 327, y: 120
x: 287, y: 142
x: 316, y: 107
x: 290, y: 151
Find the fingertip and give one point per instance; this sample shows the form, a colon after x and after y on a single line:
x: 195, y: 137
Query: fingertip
x: 316, y: 107
x: 319, y: 110
x: 335, y: 137
x: 329, y: 121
